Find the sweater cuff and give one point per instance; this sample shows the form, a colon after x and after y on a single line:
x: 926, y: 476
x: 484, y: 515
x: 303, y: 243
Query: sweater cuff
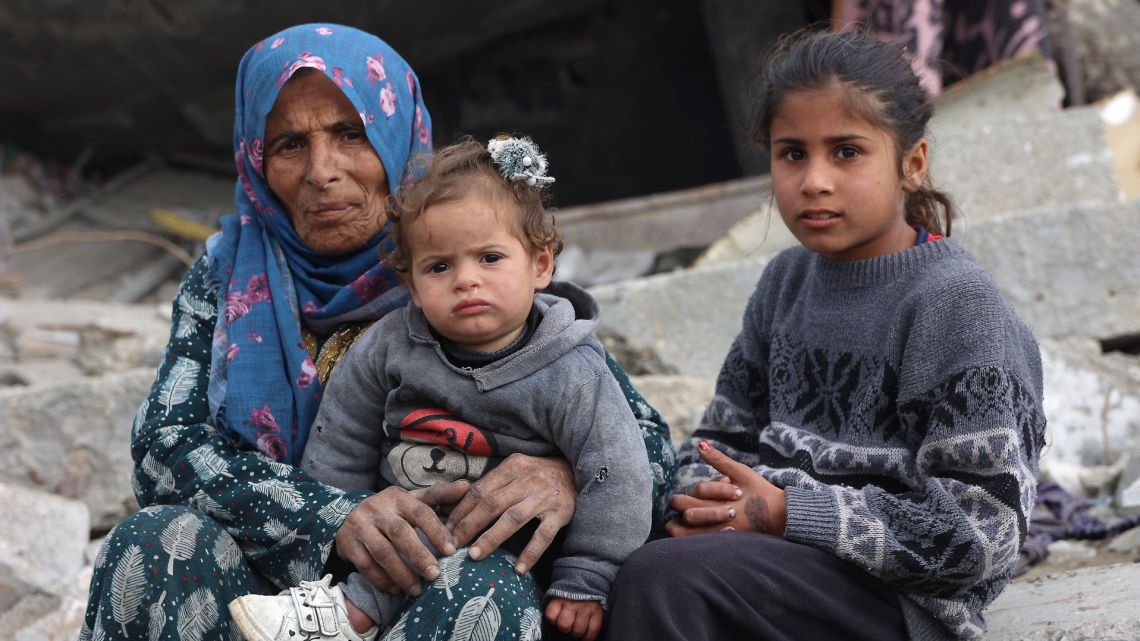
x: 812, y: 517
x: 578, y: 579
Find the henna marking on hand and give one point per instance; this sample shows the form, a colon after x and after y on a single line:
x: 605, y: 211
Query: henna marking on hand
x: 757, y: 512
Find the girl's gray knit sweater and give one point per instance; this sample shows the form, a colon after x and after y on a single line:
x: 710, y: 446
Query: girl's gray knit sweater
x: 897, y: 400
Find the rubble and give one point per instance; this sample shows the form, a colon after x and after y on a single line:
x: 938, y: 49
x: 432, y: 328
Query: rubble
x: 1089, y: 604
x: 43, y: 583
x: 1048, y: 212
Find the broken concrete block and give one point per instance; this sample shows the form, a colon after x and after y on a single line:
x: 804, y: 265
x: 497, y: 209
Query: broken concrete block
x: 1090, y: 604
x: 685, y: 320
x: 73, y: 439
x: 681, y: 400
x: 50, y: 619
x: 1128, y: 489
x: 1027, y: 86
x: 1121, y: 116
x: 101, y: 336
x: 1069, y: 272
x: 658, y: 222
x: 1127, y: 542
x: 1093, y: 413
x: 42, y: 542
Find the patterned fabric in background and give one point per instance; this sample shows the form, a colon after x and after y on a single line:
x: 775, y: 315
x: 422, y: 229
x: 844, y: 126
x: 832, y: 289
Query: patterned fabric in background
x: 263, y: 385
x: 1059, y: 515
x: 951, y: 40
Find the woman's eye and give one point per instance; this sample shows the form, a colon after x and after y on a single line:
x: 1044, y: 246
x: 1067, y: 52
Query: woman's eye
x: 353, y: 135
x: 793, y: 154
x: 847, y: 153
x: 437, y: 268
x: 492, y: 258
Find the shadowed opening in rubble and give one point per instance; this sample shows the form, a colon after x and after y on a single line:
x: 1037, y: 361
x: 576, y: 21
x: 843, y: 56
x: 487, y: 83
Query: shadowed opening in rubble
x: 1127, y: 344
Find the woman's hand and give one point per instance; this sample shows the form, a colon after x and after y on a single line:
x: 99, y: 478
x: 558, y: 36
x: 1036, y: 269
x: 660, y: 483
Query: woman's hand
x: 380, y: 533
x: 519, y: 489
x: 740, y: 500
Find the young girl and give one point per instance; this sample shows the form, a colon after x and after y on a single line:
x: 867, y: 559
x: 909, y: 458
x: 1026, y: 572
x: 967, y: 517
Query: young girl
x: 478, y: 367
x: 866, y: 467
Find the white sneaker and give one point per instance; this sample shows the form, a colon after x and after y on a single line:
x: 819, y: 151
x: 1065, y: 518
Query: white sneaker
x: 312, y: 611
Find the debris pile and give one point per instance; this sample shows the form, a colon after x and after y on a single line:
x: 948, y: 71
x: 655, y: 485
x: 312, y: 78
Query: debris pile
x: 1051, y: 209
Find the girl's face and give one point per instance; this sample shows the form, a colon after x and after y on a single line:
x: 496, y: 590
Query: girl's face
x: 837, y: 179
x: 471, y: 275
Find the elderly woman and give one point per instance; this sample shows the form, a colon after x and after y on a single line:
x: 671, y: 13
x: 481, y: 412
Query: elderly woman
x: 328, y: 121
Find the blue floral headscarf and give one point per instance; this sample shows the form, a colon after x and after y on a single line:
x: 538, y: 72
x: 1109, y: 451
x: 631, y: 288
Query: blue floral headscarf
x: 263, y: 389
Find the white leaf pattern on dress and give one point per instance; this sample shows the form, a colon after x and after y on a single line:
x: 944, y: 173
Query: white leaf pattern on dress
x: 101, y: 556
x: 157, y: 618
x: 84, y: 632
x: 530, y: 628
x: 479, y: 620
x: 192, y: 306
x: 180, y: 382
x: 334, y: 513
x: 449, y: 569
x: 140, y: 417
x: 275, y: 529
x: 205, y: 503
x: 302, y: 571
x: 159, y: 473
x: 170, y: 435
x: 185, y: 326
x: 279, y: 469
x: 284, y: 493
x: 207, y: 463
x: 198, y: 615
x: 127, y: 584
x: 226, y: 553
x: 98, y: 634
x: 179, y: 539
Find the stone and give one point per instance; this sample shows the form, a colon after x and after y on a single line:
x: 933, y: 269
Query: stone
x: 42, y: 542
x: 55, y: 619
x: 1128, y: 492
x: 1070, y: 272
x: 1065, y: 550
x: 73, y: 438
x: 681, y: 400
x: 685, y: 320
x: 1093, y: 412
x: 1089, y: 604
x: 1127, y: 542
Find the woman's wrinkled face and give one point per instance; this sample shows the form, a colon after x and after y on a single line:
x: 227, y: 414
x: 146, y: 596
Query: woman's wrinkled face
x: 321, y: 167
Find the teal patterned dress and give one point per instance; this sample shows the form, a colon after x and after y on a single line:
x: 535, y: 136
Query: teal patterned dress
x: 219, y: 522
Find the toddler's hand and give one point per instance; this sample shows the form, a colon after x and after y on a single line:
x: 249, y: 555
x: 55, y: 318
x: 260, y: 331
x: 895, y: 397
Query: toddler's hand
x: 581, y: 619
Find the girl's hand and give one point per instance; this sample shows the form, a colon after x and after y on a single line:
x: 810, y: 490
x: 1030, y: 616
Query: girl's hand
x: 580, y: 619
x: 741, y: 500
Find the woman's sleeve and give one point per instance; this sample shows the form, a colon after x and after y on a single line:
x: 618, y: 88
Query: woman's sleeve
x: 284, y: 521
x: 658, y: 445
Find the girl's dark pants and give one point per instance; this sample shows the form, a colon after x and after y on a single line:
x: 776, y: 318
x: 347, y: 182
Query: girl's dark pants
x: 742, y: 585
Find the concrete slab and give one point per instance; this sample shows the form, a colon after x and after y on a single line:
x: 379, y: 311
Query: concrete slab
x: 1091, y: 604
x: 1069, y: 272
x: 73, y: 438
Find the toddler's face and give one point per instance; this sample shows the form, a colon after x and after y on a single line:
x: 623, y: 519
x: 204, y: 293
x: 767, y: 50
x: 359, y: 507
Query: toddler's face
x: 471, y: 275
x: 836, y: 177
